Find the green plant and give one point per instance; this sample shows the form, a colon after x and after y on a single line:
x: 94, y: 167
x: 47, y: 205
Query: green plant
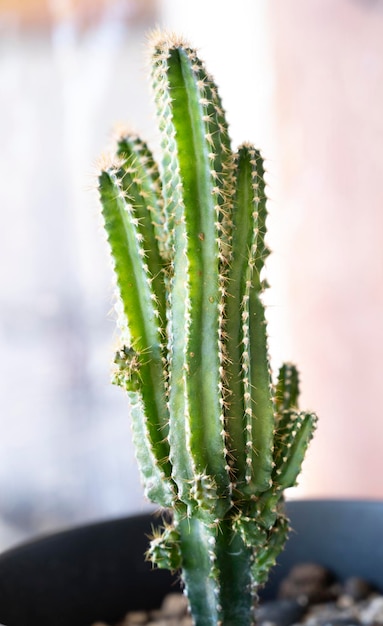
x: 217, y: 442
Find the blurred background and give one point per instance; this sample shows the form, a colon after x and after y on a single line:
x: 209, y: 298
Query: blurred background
x: 302, y: 79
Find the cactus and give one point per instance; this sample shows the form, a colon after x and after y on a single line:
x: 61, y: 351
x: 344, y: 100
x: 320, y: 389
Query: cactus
x: 216, y: 440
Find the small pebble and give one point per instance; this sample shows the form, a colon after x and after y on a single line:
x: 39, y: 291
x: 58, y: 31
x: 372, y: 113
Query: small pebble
x: 345, y: 602
x: 341, y: 621
x: 155, y: 614
x: 373, y: 612
x: 135, y: 618
x: 175, y: 605
x: 279, y: 612
x: 329, y: 613
x: 356, y: 588
x: 307, y: 581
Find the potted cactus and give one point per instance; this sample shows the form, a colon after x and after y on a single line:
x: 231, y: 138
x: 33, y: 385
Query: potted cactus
x: 217, y: 440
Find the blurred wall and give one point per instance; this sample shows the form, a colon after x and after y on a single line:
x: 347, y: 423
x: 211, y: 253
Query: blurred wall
x: 66, y: 79
x: 301, y: 79
x: 328, y: 103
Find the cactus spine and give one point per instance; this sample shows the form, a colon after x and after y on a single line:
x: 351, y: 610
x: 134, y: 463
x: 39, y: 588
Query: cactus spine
x: 216, y: 441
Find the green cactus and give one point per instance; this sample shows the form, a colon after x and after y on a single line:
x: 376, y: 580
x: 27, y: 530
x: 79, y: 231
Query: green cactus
x: 217, y: 442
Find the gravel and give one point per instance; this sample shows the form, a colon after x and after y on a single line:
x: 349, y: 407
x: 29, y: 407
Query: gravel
x: 309, y: 595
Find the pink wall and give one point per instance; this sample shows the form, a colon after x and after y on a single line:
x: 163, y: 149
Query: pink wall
x: 328, y: 57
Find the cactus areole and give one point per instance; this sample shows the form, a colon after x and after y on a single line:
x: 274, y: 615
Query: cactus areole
x: 217, y: 441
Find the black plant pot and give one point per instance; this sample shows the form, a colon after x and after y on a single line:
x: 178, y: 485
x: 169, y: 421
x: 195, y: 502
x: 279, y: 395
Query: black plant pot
x: 98, y: 572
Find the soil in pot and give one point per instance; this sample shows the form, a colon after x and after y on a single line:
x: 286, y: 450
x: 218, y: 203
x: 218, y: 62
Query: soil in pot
x: 98, y: 573
x: 309, y: 595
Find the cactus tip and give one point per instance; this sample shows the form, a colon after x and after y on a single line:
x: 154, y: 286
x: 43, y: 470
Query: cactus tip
x: 108, y: 161
x: 163, y: 40
x: 122, y: 130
